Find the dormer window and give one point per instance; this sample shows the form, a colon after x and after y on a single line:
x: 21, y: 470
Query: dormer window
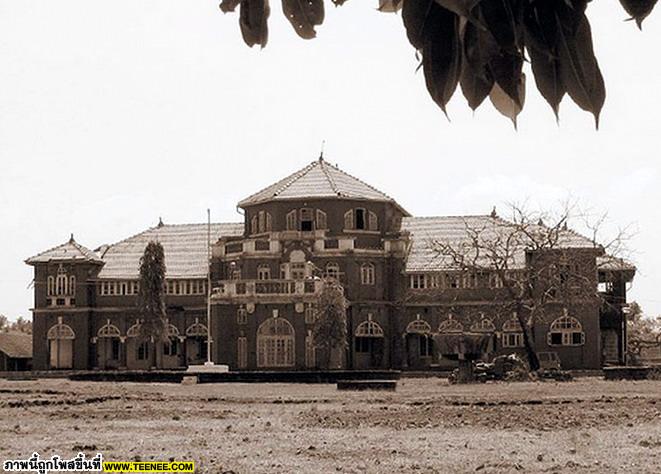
x: 360, y: 219
x: 307, y: 220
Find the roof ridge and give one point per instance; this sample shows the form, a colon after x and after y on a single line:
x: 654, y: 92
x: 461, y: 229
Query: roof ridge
x: 295, y: 177
x: 456, y: 216
x: 87, y: 253
x: 330, y: 179
x: 363, y: 182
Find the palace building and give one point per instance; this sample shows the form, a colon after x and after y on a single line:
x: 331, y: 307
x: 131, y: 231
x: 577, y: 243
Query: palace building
x: 266, y: 274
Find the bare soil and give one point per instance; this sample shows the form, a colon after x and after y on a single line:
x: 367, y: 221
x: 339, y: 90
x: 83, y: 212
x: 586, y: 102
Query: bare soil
x: 426, y: 426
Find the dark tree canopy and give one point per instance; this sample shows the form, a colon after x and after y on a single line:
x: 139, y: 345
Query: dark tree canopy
x: 479, y: 45
x: 151, y: 298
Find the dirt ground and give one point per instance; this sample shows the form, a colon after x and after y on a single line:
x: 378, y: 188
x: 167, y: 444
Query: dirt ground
x: 425, y: 426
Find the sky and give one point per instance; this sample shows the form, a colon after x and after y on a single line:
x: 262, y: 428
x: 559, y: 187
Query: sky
x: 115, y: 114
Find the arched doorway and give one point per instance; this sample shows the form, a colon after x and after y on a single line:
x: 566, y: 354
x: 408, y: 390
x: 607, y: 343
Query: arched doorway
x: 196, y: 343
x: 368, y: 345
x: 419, y: 343
x: 109, y: 346
x: 60, y: 345
x: 275, y: 343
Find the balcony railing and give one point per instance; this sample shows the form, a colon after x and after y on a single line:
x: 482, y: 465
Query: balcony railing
x: 266, y: 288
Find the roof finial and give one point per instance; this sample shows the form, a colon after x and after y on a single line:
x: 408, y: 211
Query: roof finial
x: 564, y: 226
x: 493, y: 212
x: 160, y: 222
x: 71, y: 241
x: 321, y: 154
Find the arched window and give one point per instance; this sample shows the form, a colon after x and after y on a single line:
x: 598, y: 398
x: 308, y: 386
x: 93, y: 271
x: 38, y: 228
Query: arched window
x: 60, y: 331
x: 108, y: 330
x: 369, y: 328
x: 264, y: 272
x: 333, y: 270
x: 310, y: 314
x: 134, y: 331
x: 367, y: 276
x: 61, y: 282
x: 418, y: 326
x: 450, y: 325
x: 51, y: 286
x: 483, y: 325
x: 197, y: 329
x: 348, y: 220
x: 566, y: 331
x: 275, y: 343
x: 512, y: 332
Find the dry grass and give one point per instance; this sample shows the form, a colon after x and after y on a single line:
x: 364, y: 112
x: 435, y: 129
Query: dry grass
x: 426, y: 426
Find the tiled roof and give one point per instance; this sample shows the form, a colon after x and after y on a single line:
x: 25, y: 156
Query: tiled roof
x: 68, y: 251
x: 609, y: 263
x: 319, y: 179
x: 16, y: 344
x: 454, y: 231
x: 185, y: 248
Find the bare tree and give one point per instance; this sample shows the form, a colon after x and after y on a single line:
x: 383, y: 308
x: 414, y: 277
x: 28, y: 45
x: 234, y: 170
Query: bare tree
x: 532, y: 261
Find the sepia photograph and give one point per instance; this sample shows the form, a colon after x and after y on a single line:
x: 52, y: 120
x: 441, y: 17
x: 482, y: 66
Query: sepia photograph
x: 330, y: 236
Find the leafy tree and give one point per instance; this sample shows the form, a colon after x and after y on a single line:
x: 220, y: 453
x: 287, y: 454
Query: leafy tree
x: 330, y: 330
x: 22, y: 325
x: 151, y: 297
x: 642, y: 331
x: 4, y: 323
x: 480, y: 45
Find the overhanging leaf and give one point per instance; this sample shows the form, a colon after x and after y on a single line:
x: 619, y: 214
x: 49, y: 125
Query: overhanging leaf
x: 253, y: 16
x: 638, y: 9
x: 505, y: 104
x: 229, y: 5
x: 304, y: 15
x: 416, y: 16
x: 476, y: 80
x: 390, y: 6
x: 441, y: 54
x: 579, y: 68
x: 506, y: 70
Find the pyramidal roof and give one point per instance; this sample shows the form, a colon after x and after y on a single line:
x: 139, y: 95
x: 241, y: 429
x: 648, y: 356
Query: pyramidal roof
x: 68, y: 251
x: 319, y: 179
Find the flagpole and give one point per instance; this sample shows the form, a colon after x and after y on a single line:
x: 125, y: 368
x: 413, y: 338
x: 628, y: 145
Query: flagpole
x: 209, y: 362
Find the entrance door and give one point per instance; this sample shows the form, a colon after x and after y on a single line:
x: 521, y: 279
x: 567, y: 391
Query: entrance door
x: 61, y: 353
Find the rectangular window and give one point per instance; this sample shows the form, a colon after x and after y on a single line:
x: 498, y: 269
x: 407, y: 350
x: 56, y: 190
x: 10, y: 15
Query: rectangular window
x: 115, y: 348
x: 363, y: 344
x: 262, y: 245
x: 425, y: 343
x: 360, y: 219
x: 297, y: 271
x: 171, y: 347
x: 241, y: 316
x: 331, y: 244
x: 512, y: 339
x: 143, y: 351
x: 242, y: 352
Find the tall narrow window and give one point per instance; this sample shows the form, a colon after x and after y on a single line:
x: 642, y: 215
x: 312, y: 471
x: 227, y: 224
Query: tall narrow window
x: 291, y: 220
x: 321, y: 220
x: 360, y: 219
x: 310, y: 352
x: 242, y: 352
x: 367, y: 274
x: 254, y: 225
x: 373, y: 221
x: 269, y: 222
x: 262, y: 222
x: 306, y: 220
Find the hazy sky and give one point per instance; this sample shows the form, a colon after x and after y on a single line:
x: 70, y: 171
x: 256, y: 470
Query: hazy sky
x: 115, y: 113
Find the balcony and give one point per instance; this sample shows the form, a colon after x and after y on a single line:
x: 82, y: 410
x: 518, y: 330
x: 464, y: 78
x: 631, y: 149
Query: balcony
x: 262, y: 290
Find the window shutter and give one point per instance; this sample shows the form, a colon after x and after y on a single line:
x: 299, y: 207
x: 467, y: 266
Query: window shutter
x: 262, y: 221
x: 348, y: 219
x: 253, y: 225
x: 291, y: 220
x: 373, y: 221
x: 269, y: 224
x: 321, y: 219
